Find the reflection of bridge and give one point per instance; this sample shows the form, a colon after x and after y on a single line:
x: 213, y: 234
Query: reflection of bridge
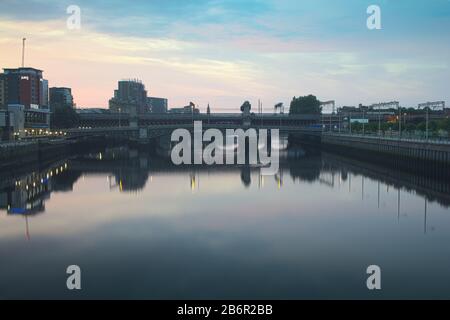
x: 130, y: 170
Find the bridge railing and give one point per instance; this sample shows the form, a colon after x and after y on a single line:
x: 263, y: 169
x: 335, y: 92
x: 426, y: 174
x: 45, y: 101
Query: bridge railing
x: 375, y: 136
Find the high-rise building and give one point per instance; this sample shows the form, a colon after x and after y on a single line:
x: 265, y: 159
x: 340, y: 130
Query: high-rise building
x: 23, y: 87
x: 44, y: 94
x: 3, y: 103
x: 60, y: 97
x: 157, y: 105
x: 130, y: 97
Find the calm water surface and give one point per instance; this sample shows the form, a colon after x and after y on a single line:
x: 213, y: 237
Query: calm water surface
x: 140, y: 228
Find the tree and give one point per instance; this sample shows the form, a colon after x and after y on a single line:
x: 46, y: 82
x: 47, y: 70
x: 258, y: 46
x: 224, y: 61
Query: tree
x: 444, y: 124
x: 245, y: 106
x: 410, y: 127
x: 64, y: 118
x: 357, y: 127
x: 305, y: 105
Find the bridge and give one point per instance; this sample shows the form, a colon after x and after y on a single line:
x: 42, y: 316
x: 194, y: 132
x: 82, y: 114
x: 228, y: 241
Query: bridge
x: 152, y: 126
x: 107, y: 120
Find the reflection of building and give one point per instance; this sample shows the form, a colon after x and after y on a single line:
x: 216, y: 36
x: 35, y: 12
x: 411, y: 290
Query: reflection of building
x: 157, y: 105
x: 26, y: 195
x: 130, y: 97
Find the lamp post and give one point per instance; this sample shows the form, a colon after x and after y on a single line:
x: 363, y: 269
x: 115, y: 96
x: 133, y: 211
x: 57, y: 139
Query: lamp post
x: 331, y: 124
x: 379, y: 120
x: 120, y: 117
x: 364, y: 122
x: 350, y: 122
x: 339, y: 119
x: 404, y: 122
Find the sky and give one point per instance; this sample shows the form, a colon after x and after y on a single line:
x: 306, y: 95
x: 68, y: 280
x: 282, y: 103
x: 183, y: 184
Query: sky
x: 225, y: 52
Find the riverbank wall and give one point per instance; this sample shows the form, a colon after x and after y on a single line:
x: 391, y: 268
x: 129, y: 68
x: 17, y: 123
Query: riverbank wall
x: 431, y: 151
x: 21, y: 153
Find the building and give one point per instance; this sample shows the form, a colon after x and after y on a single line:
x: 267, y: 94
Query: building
x: 44, y: 94
x: 130, y: 97
x: 157, y: 105
x: 24, y: 102
x: 187, y: 109
x: 23, y: 86
x: 3, y: 103
x: 6, y: 129
x: 60, y: 97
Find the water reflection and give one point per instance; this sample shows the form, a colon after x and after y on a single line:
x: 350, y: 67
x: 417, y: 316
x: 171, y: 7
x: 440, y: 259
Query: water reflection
x: 129, y: 170
x: 145, y: 220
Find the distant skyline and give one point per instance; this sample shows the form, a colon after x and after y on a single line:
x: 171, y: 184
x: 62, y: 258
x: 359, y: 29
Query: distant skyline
x: 225, y: 52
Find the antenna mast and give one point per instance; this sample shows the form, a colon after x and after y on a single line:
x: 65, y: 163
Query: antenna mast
x: 23, y: 52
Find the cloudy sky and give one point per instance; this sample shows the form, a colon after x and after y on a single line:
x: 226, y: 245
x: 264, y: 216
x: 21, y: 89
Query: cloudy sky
x: 224, y: 52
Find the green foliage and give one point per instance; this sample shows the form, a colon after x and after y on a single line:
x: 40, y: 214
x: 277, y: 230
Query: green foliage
x: 305, y: 105
x: 444, y: 124
x: 357, y: 127
x: 411, y: 127
x: 434, y: 127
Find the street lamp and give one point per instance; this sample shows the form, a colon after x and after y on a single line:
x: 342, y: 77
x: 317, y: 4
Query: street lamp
x: 350, y: 121
x: 379, y: 120
x: 364, y: 121
x: 404, y: 120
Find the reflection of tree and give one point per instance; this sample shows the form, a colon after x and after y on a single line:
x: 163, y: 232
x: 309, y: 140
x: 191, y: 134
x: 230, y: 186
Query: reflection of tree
x: 246, y: 176
x: 132, y: 179
x: 132, y: 168
x: 64, y: 181
x: 305, y: 168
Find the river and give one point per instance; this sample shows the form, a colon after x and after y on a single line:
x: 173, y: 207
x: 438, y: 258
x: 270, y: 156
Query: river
x: 139, y: 227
